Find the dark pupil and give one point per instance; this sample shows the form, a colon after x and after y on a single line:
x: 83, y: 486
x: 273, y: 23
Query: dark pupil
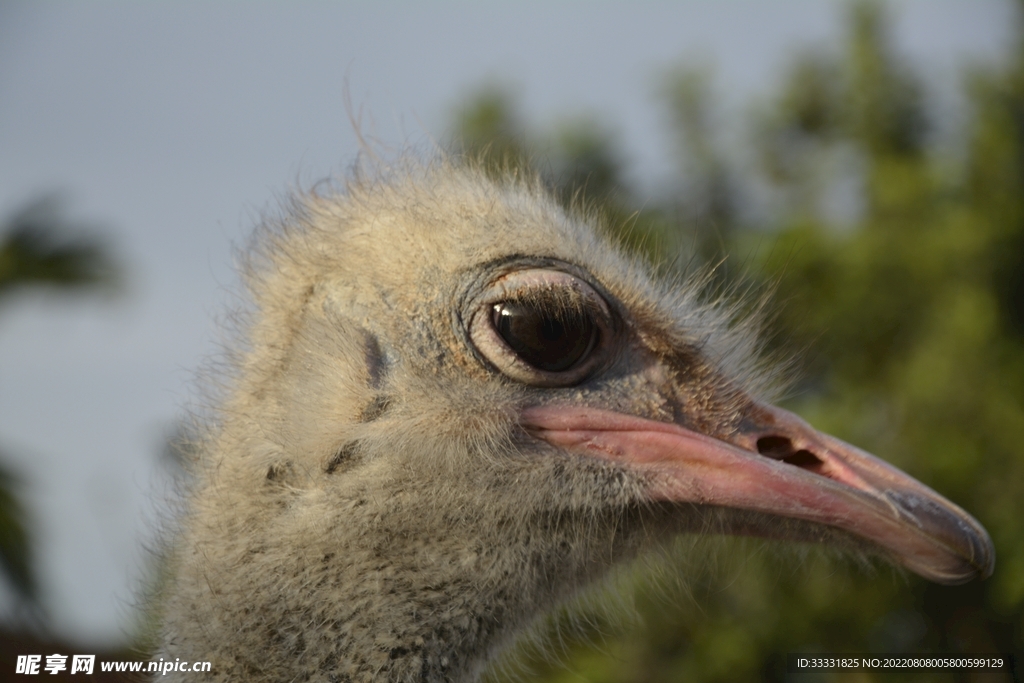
x: 546, y: 341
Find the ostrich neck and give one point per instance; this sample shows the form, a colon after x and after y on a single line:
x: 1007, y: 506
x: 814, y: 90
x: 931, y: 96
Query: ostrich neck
x: 382, y: 583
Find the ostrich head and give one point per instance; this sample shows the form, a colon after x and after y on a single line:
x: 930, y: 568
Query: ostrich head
x: 456, y: 406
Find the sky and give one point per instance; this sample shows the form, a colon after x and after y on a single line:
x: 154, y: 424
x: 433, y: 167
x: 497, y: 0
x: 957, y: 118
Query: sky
x: 169, y: 128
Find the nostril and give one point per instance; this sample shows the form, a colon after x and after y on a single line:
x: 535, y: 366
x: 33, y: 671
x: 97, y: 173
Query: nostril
x: 781, y: 448
x: 777, y: 447
x: 806, y: 460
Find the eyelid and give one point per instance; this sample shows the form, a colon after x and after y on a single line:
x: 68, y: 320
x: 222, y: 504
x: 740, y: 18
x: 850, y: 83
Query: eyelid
x: 537, y: 285
x: 535, y: 277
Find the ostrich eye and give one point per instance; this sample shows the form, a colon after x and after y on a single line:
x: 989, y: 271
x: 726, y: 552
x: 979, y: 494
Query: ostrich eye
x: 543, y: 327
x: 552, y: 341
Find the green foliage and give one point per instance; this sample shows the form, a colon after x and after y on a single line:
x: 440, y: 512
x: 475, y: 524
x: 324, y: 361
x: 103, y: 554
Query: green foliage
x: 35, y: 250
x: 581, y: 166
x: 489, y: 129
x: 908, y: 316
x: 14, y: 541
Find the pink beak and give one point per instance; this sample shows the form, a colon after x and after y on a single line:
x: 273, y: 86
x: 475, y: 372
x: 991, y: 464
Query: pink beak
x: 779, y: 465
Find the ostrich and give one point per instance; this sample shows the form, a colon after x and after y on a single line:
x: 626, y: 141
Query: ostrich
x: 457, y: 406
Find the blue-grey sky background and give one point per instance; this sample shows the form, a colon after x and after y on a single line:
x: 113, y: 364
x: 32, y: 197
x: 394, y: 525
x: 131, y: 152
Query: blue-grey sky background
x: 172, y: 126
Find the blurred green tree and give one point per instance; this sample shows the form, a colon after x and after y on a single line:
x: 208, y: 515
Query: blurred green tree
x: 898, y: 273
x: 40, y: 247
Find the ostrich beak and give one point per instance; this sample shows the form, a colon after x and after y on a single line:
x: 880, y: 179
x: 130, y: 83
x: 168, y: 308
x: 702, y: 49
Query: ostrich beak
x: 779, y: 465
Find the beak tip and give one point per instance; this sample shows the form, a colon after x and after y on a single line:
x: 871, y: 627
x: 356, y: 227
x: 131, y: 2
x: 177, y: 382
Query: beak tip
x: 971, y: 551
x: 976, y: 562
x: 985, y: 557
